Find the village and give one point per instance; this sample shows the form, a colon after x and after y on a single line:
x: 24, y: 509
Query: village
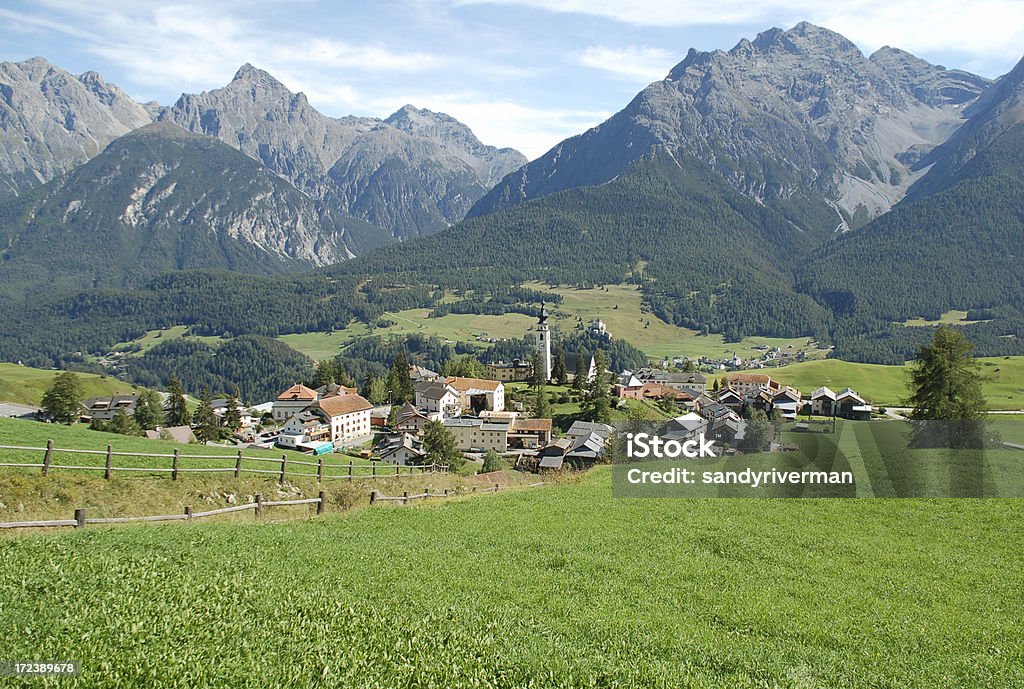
x: 481, y: 417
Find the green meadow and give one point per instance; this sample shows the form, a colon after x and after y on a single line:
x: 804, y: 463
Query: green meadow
x: 585, y: 590
x: 1002, y: 380
x: 25, y: 385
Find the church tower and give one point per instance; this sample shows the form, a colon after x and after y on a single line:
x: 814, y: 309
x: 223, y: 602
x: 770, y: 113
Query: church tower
x: 543, y: 339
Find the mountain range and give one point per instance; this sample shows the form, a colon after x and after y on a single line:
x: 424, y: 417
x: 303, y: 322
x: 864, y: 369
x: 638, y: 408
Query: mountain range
x: 788, y: 186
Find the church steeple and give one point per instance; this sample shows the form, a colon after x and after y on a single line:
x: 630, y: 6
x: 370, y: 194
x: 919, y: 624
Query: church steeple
x: 543, y: 340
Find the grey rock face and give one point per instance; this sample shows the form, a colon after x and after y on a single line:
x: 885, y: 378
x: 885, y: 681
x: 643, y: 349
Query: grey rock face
x: 788, y: 112
x: 414, y: 173
x: 52, y: 121
x: 997, y: 110
x: 160, y: 198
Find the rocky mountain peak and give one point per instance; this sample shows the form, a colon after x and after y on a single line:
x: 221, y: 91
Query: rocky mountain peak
x: 778, y: 116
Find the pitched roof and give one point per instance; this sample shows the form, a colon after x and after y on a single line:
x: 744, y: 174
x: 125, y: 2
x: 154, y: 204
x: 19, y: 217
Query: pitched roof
x: 434, y: 390
x: 343, y: 404
x: 468, y: 384
x: 297, y: 392
x: 755, y: 378
x: 823, y: 392
x: 531, y: 425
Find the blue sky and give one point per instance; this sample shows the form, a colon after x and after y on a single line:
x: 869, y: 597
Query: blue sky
x: 521, y: 73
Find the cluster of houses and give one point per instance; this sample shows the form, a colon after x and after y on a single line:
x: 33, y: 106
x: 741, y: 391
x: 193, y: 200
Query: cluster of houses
x: 740, y: 392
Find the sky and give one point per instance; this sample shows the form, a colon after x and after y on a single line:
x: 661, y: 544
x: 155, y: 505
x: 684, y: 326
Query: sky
x: 520, y: 73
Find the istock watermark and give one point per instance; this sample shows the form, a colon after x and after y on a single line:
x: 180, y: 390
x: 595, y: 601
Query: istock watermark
x: 691, y: 456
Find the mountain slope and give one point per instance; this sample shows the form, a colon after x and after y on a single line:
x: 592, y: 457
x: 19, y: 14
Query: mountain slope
x: 959, y: 247
x: 51, y: 121
x: 799, y: 119
x: 414, y: 173
x: 160, y: 199
x: 706, y: 255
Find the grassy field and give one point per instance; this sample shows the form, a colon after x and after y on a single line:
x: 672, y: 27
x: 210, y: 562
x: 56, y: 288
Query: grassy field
x: 26, y: 385
x: 1003, y: 384
x: 619, y: 306
x: 15, y: 432
x: 949, y: 318
x: 648, y: 593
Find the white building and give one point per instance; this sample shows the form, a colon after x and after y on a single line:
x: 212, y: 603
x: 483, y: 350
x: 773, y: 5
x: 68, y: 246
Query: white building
x: 292, y: 401
x: 543, y: 339
x: 347, y: 415
x: 477, y: 395
x: 438, y: 396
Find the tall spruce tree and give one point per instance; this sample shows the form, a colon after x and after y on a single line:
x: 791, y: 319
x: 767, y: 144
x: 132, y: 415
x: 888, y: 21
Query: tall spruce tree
x: 233, y: 413
x: 400, y: 381
x: 204, y: 420
x: 63, y: 399
x: 559, y: 372
x: 440, y: 446
x: 945, y: 387
x: 148, y: 412
x: 175, y: 407
x: 599, y: 392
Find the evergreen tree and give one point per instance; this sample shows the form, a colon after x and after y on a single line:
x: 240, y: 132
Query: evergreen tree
x: 123, y: 424
x: 559, y: 372
x: 63, y: 399
x: 204, y: 420
x: 466, y: 366
x: 759, y: 432
x: 148, y: 410
x: 440, y: 447
x: 233, y: 413
x: 579, y: 380
x: 176, y: 408
x: 945, y: 385
x: 400, y: 381
x: 325, y: 373
x: 492, y: 462
x: 375, y: 389
x: 599, y: 393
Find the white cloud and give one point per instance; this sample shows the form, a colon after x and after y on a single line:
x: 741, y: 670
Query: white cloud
x: 985, y: 29
x: 639, y: 64
x: 199, y: 46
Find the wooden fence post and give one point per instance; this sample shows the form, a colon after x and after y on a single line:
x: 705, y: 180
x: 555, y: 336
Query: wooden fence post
x: 373, y: 497
x: 320, y: 470
x: 398, y: 469
x: 110, y: 462
x: 259, y: 505
x: 188, y: 511
x: 320, y: 505
x: 497, y: 487
x: 47, y: 457
x: 238, y: 464
x: 405, y: 497
x: 284, y: 464
x: 79, y: 517
x: 373, y: 469
x: 350, y: 471
x: 174, y: 465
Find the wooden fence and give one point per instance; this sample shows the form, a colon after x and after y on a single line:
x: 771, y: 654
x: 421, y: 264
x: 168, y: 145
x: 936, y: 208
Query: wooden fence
x: 349, y: 471
x: 257, y: 505
x: 378, y: 497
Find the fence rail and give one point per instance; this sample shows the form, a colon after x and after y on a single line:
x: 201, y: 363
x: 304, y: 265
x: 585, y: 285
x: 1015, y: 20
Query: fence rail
x: 348, y: 471
x: 377, y: 497
x: 257, y: 505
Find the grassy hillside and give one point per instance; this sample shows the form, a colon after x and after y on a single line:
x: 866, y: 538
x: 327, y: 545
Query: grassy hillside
x: 619, y: 306
x: 654, y: 593
x: 26, y: 385
x: 887, y: 385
